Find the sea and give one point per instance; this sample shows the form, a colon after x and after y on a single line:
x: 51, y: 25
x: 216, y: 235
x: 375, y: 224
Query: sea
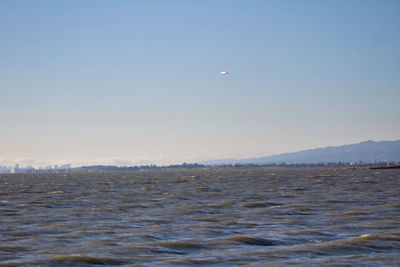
x: 250, y: 216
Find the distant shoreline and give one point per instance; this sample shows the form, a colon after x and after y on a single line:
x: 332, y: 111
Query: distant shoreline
x: 385, y: 167
x: 186, y: 166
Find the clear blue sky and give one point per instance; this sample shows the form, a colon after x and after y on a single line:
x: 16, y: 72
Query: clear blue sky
x: 97, y: 81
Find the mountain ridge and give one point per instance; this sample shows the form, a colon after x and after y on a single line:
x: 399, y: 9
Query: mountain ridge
x: 367, y: 151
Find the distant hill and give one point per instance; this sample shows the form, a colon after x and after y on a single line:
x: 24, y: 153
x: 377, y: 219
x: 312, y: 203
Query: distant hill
x: 368, y: 152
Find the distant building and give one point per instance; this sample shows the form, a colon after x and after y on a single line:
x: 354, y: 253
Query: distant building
x: 5, y: 169
x: 65, y: 166
x: 17, y: 169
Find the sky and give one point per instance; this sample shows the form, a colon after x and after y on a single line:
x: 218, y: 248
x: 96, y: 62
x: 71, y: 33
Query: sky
x: 137, y: 82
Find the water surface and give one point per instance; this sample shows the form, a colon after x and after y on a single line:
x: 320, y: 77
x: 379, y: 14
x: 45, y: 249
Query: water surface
x: 222, y: 216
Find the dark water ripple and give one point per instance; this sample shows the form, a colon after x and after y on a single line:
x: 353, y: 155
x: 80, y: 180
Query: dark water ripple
x: 277, y: 216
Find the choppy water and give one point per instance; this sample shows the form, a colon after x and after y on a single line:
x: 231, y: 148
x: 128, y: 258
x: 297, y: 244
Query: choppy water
x: 261, y: 216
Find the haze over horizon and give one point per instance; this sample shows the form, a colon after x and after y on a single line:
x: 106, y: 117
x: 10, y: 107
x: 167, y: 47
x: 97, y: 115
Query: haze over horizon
x: 139, y: 81
x: 128, y: 162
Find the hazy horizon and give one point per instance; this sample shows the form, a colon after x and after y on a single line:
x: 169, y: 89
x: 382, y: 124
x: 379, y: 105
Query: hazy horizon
x: 115, y: 161
x: 97, y: 82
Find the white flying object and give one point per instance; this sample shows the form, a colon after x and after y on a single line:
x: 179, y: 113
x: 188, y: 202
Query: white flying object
x: 223, y: 73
